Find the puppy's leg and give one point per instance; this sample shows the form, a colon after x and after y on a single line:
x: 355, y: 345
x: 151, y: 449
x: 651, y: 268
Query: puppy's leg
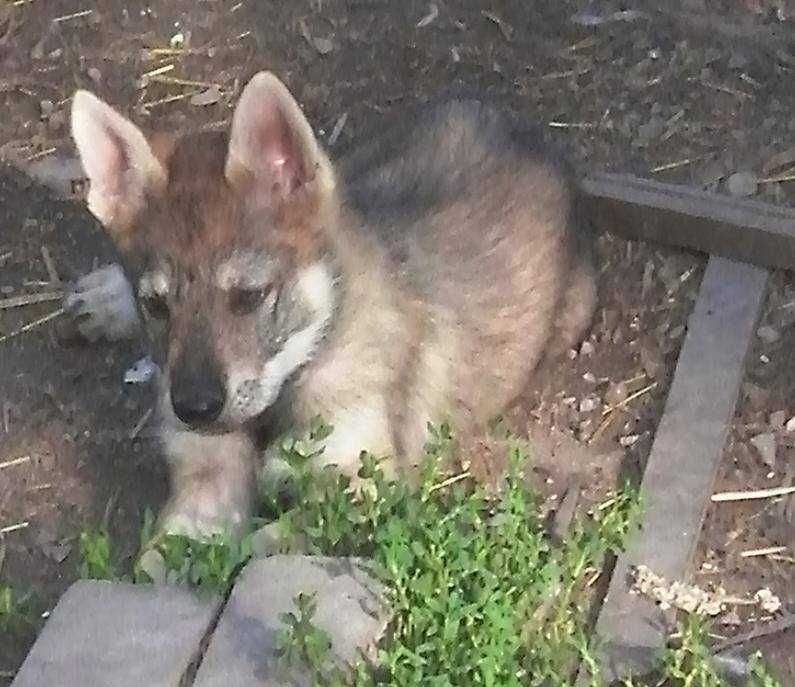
x: 102, y: 305
x: 576, y: 310
x: 212, y: 482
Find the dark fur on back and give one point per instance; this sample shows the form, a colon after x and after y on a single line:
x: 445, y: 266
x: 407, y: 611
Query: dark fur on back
x: 452, y: 149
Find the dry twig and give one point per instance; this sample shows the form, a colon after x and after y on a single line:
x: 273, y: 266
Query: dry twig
x: 15, y: 461
x: 32, y: 325
x: 29, y: 299
x: 771, y: 493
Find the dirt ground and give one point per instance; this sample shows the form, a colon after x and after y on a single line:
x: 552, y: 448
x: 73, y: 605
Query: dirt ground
x: 643, y: 94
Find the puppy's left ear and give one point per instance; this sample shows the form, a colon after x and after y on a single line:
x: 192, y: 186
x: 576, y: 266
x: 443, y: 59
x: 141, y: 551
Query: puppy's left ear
x: 118, y: 161
x: 273, y: 152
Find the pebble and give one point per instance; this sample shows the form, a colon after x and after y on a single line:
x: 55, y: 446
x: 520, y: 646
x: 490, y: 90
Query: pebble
x: 777, y: 419
x: 153, y: 564
x: 267, y: 541
x: 768, y: 334
x: 616, y: 393
x: 742, y: 184
x: 765, y: 444
x: 141, y: 372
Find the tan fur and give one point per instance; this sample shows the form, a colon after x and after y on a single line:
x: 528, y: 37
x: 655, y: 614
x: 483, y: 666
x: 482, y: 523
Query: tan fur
x: 420, y: 279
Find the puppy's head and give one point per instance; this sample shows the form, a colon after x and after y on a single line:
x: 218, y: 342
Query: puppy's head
x: 226, y: 241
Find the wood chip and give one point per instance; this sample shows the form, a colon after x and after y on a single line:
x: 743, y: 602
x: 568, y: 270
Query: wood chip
x: 337, y: 130
x: 49, y: 263
x: 505, y: 28
x: 140, y: 424
x: 209, y: 97
x: 778, y: 161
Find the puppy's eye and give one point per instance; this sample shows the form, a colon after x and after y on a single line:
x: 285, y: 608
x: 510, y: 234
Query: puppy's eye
x: 246, y: 301
x: 156, y: 306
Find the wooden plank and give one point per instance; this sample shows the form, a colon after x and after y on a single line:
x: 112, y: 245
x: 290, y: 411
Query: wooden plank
x: 684, y: 459
x: 741, y: 229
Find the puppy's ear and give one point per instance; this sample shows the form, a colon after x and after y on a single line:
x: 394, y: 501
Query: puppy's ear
x: 273, y: 153
x: 118, y: 161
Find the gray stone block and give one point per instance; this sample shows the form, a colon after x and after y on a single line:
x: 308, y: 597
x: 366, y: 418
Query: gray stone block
x: 104, y: 634
x: 242, y: 651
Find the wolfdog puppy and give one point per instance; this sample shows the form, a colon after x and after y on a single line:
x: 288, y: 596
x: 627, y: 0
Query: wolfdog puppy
x: 421, y: 278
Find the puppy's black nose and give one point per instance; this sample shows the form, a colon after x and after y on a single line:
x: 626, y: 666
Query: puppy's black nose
x: 198, y: 403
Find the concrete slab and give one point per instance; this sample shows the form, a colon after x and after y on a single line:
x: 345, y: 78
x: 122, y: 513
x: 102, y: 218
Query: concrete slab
x: 104, y: 634
x: 242, y: 649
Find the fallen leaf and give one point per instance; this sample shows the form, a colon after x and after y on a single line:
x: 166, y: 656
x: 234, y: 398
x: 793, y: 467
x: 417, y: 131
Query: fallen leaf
x: 209, y: 97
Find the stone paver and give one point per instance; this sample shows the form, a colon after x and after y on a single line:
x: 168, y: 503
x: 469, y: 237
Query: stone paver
x: 104, y: 634
x: 242, y: 649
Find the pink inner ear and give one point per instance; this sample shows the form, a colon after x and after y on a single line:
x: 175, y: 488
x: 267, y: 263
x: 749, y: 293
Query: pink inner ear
x: 279, y: 151
x: 107, y: 162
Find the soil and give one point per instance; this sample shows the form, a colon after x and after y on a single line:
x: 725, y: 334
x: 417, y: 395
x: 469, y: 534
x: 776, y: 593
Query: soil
x: 645, y: 96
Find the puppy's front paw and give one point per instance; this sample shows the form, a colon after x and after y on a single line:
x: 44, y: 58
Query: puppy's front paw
x: 102, y: 305
x: 202, y: 519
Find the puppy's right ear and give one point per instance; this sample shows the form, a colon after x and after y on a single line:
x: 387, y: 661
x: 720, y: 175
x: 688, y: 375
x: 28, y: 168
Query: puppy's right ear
x: 118, y: 161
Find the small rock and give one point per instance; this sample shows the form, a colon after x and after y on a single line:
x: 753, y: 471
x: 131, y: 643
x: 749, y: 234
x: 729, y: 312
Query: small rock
x: 768, y: 601
x: 323, y: 45
x: 616, y: 393
x: 47, y: 107
x: 777, y: 420
x: 587, y: 348
x: 756, y: 396
x: 765, y: 444
x: 742, y: 184
x: 783, y: 317
x: 141, y: 372
x: 651, y: 358
x: 267, y: 541
x: 94, y: 74
x: 57, y: 121
x: 768, y: 334
x: 738, y: 60
x: 676, y: 332
x: 629, y: 440
x: 57, y: 552
x: 651, y: 130
x: 731, y: 619
x: 209, y: 97
x: 154, y: 565
x: 790, y: 425
x: 589, y: 403
x: 589, y: 377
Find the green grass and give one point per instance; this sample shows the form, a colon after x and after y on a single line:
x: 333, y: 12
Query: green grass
x: 206, y: 566
x: 479, y: 593
x: 18, y: 612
